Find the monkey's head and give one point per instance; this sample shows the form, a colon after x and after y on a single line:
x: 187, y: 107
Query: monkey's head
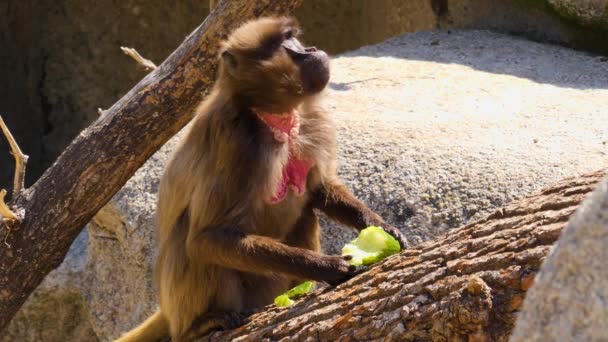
x: 268, y: 68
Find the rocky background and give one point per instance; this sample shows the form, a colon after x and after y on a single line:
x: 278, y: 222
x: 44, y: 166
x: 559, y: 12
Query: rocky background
x: 60, y: 60
x: 436, y: 128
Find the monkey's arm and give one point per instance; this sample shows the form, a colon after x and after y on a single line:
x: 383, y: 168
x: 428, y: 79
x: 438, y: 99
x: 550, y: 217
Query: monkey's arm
x: 335, y: 200
x: 231, y: 247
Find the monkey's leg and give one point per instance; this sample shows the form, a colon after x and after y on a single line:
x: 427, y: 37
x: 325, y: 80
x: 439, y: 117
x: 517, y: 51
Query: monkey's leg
x: 231, y: 247
x: 305, y: 233
x: 335, y: 200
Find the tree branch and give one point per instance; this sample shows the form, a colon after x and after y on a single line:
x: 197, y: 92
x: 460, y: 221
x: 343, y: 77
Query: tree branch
x: 467, y: 285
x: 105, y: 155
x: 20, y: 159
x: 131, y: 52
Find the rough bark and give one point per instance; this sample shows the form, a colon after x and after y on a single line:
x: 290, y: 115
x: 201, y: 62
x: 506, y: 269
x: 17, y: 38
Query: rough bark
x: 104, y: 156
x: 465, y: 285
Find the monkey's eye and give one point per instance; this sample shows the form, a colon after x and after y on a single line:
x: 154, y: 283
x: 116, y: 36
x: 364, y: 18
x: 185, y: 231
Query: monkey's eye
x: 269, y: 47
x: 288, y: 34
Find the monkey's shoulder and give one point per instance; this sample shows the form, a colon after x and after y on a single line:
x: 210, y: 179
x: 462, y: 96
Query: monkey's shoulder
x: 317, y: 141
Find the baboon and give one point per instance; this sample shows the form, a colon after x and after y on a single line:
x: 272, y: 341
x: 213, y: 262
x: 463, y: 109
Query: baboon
x: 236, y: 206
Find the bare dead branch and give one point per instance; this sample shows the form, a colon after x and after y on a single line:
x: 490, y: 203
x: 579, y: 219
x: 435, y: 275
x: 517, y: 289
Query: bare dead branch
x: 131, y: 52
x: 20, y: 159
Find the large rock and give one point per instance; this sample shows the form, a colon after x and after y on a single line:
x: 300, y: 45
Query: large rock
x: 588, y: 12
x: 578, y: 23
x: 568, y: 301
x: 356, y: 23
x: 122, y: 246
x: 435, y: 129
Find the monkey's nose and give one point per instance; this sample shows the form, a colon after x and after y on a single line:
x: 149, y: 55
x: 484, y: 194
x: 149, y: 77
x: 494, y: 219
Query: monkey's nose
x: 311, y: 49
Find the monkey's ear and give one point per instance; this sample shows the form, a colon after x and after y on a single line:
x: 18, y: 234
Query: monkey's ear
x: 229, y: 60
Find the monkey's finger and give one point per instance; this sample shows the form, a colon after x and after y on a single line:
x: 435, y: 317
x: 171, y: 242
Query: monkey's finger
x: 403, y: 242
x: 397, y: 234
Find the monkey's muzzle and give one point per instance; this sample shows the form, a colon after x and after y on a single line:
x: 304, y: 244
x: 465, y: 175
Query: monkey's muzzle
x: 313, y: 63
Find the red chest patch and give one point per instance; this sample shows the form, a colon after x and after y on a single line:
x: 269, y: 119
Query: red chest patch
x: 294, y: 177
x: 285, y: 129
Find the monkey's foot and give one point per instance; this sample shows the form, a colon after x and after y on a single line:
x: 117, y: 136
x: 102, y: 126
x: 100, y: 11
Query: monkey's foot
x: 213, y: 321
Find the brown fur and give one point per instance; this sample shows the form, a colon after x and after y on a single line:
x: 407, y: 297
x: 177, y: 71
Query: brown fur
x: 223, y: 249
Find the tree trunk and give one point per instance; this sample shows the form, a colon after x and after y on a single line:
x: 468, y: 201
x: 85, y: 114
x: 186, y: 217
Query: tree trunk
x: 465, y: 285
x: 104, y: 156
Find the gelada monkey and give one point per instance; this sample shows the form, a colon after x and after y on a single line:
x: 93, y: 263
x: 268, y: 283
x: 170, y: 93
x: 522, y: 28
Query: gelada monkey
x: 236, y: 205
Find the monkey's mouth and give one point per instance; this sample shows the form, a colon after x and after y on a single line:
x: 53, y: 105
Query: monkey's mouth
x: 283, y: 126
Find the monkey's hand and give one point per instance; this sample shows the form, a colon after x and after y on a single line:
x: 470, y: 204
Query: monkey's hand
x: 342, y: 270
x: 396, y: 233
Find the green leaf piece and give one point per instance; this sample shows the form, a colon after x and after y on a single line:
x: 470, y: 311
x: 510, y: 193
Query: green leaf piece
x: 286, y: 298
x: 283, y: 300
x: 372, y: 245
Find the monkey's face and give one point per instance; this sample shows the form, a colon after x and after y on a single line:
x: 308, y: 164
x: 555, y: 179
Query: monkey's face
x: 270, y: 68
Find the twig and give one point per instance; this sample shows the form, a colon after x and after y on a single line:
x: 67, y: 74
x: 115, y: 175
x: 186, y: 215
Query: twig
x: 20, y: 160
x: 5, y: 211
x: 131, y: 52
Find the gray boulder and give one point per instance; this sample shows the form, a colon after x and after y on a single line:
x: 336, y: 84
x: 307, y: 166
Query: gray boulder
x: 439, y: 128
x: 435, y: 129
x: 57, y: 311
x: 122, y: 246
x: 568, y: 301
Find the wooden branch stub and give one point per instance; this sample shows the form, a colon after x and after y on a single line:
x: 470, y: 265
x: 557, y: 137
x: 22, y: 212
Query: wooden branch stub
x: 131, y: 52
x: 20, y: 159
x: 5, y: 212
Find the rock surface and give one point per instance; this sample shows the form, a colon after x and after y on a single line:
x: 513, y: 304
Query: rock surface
x: 579, y: 23
x: 435, y: 129
x: 56, y: 311
x: 568, y: 301
x: 122, y: 246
